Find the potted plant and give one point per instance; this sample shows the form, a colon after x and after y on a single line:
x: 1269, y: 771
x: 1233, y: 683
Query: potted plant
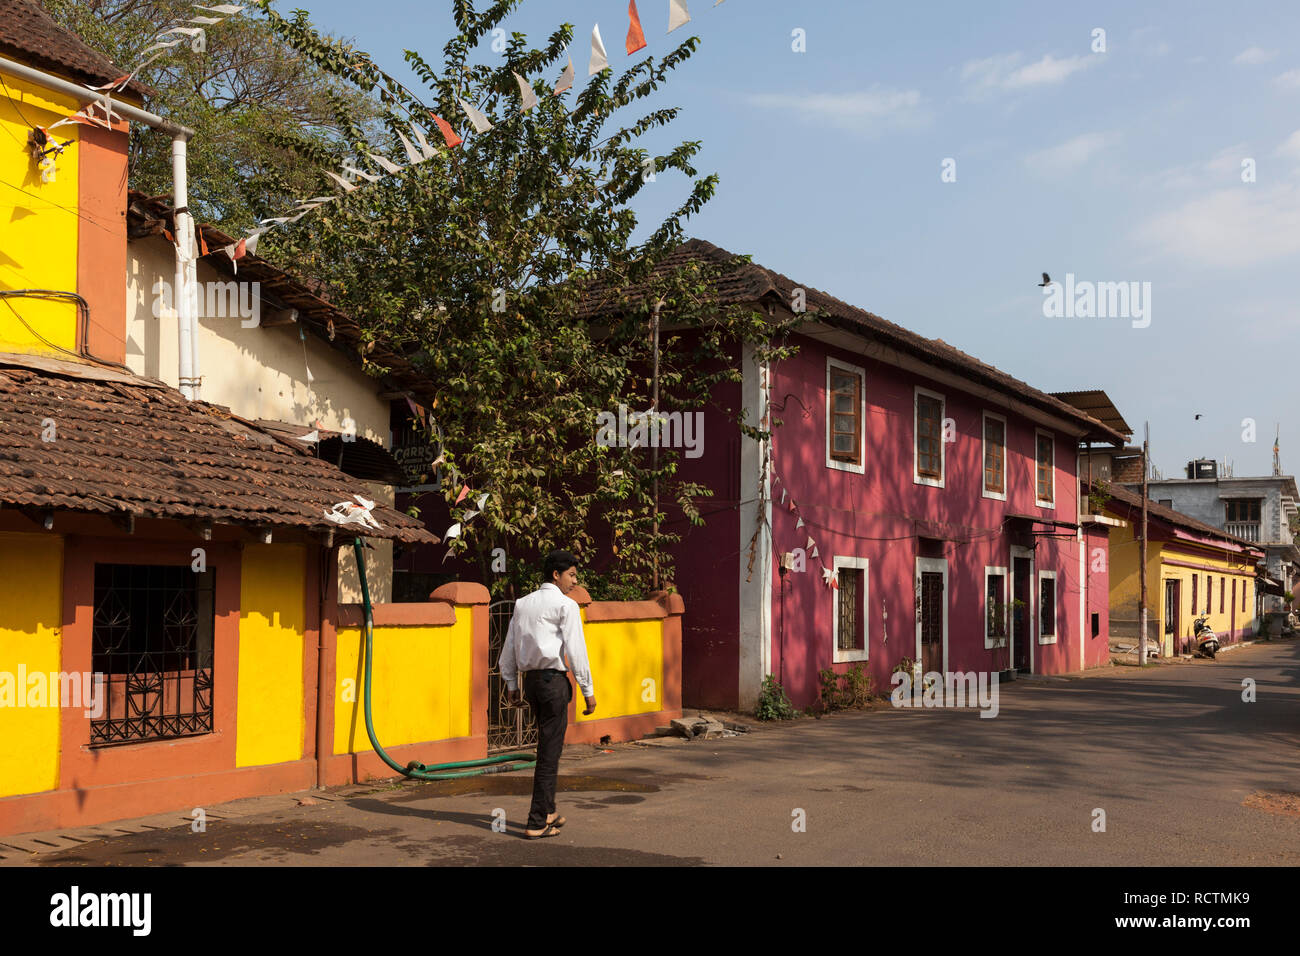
x: 999, y: 629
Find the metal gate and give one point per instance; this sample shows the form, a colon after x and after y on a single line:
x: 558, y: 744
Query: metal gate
x: 509, y: 728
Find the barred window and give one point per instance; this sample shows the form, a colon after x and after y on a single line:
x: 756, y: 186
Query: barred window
x: 152, y: 642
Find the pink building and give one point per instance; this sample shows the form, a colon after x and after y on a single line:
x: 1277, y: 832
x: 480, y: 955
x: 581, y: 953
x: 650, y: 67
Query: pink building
x: 933, y: 490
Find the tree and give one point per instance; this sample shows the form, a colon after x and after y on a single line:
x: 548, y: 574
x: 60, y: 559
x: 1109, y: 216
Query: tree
x: 254, y: 103
x: 473, y: 264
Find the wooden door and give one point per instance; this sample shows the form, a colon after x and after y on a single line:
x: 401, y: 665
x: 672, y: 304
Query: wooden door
x: 932, y: 610
x: 1021, y: 629
x: 1172, y: 607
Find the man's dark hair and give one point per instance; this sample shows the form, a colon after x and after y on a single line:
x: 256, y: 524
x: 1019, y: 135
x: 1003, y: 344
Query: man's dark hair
x: 559, y: 561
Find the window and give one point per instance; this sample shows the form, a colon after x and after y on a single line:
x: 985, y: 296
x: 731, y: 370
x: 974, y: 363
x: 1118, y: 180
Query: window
x: 1046, y: 607
x: 845, y: 416
x: 929, y: 439
x: 1243, y: 595
x: 1223, y: 583
x: 1195, y: 578
x: 1242, y: 509
x: 996, y: 611
x: 995, y: 456
x: 1166, y: 503
x: 1234, y: 592
x: 1209, y: 593
x: 850, y: 614
x: 1045, y: 471
x: 151, y: 638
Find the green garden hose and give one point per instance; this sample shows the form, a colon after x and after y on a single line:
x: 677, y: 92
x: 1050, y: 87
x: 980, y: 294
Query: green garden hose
x: 498, y: 764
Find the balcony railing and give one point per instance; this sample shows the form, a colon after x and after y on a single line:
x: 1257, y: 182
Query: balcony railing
x: 1249, y: 530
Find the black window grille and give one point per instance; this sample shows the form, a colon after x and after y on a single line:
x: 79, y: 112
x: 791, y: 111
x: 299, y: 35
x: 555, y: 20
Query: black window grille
x: 850, y: 628
x: 152, y: 642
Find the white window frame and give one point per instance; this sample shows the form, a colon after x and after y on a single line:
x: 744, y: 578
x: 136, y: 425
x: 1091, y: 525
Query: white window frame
x: 1006, y: 611
x: 1006, y: 432
x: 834, y: 363
x: 1049, y: 505
x: 842, y: 656
x: 1056, y: 607
x: 930, y: 564
x: 917, y: 477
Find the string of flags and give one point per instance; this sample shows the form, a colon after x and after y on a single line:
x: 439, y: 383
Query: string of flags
x: 346, y: 512
x: 830, y: 576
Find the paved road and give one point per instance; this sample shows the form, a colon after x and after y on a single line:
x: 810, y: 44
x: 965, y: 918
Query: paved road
x: 1172, y: 754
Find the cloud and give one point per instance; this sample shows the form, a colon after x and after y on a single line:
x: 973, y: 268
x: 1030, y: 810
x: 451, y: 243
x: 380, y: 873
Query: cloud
x: 1005, y: 72
x: 863, y: 110
x: 1291, y: 147
x: 1254, y: 55
x: 1223, y: 167
x: 1070, y: 155
x: 1235, y: 228
x: 1289, y: 80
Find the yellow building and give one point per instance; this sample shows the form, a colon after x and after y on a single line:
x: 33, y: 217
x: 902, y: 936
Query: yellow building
x: 1194, y: 570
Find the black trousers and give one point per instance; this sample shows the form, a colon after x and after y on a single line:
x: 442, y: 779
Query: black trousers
x: 548, y: 693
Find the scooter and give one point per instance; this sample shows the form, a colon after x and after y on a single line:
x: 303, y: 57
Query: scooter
x: 1207, y: 642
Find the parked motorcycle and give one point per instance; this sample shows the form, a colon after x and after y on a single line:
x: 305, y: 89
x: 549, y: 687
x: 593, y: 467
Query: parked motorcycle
x: 1207, y: 642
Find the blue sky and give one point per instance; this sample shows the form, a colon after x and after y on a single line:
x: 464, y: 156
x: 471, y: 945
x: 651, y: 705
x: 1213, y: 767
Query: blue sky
x: 1122, y: 166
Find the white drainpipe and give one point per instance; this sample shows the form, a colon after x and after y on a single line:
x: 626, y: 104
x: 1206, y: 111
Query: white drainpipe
x: 186, y: 270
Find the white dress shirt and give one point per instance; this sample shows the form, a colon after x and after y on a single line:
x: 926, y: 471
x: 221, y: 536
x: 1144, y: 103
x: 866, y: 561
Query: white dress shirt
x: 546, y: 625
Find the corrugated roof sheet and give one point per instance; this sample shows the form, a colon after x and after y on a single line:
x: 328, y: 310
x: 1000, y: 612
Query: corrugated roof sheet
x: 137, y: 448
x: 753, y: 283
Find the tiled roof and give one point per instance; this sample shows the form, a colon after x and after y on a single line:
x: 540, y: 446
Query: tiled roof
x: 753, y: 283
x: 1134, y: 502
x: 29, y: 35
x: 128, y: 446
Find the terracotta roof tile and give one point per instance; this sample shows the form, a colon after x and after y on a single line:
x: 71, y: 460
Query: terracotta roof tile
x: 127, y: 446
x: 31, y: 36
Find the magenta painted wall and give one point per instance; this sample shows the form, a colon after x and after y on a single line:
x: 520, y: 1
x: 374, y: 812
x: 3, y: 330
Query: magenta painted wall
x: 1097, y: 570
x: 873, y: 516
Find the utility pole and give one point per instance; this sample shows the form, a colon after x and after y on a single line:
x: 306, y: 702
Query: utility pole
x: 1142, y: 551
x: 654, y: 405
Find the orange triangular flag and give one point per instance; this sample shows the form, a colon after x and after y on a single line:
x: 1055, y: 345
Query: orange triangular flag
x: 448, y: 134
x: 464, y: 492
x: 635, y: 36
x: 203, y: 245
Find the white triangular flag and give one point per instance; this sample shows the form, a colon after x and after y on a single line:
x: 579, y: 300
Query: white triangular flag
x: 453, y: 531
x: 311, y: 436
x: 310, y: 377
x: 814, y: 550
x: 598, y: 59
x: 783, y: 494
x: 188, y: 31
x: 678, y: 15
x: 479, y: 121
x: 424, y: 143
x: 468, y: 515
x: 229, y: 9
x: 481, y: 501
x: 811, y: 543
x: 205, y: 21
x: 368, y: 177
x: 566, y: 79
x: 341, y: 181
x: 411, y: 153
x: 526, y: 93
x: 798, y: 524
x: 385, y: 164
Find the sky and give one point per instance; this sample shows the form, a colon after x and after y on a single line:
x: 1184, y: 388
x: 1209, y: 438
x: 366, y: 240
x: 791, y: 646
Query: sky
x: 929, y: 161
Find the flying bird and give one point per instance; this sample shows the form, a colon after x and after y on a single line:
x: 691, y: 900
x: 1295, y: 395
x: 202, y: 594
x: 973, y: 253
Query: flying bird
x: 1047, y: 280
x: 1198, y: 418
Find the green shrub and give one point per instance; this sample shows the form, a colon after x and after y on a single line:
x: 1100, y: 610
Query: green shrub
x: 773, y: 704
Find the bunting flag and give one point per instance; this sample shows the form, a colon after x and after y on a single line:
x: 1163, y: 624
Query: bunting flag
x: 361, y: 174
x: 414, y: 155
x: 482, y: 501
x: 566, y: 79
x: 526, y: 94
x: 477, y: 119
x: 341, y: 181
x: 452, y: 532
x: 783, y: 493
x: 464, y: 493
x: 385, y: 164
x: 229, y: 9
x: 678, y: 15
x: 448, y: 134
x: 798, y: 524
x: 599, y: 61
x: 810, y: 543
x: 635, y: 35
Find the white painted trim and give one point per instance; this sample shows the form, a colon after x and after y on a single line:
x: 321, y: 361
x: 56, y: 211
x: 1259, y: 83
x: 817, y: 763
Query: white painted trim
x: 1056, y: 608
x: 862, y: 417
x: 917, y: 477
x: 839, y: 656
x: 1006, y: 460
x: 1049, y: 505
x: 1006, y: 586
x: 1031, y: 618
x: 930, y: 564
x: 755, y: 619
x: 1084, y: 588
x: 1103, y: 519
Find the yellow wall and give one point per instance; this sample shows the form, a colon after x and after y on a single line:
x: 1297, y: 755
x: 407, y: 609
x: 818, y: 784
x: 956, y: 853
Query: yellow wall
x: 270, y: 710
x: 1125, y: 585
x: 38, y: 221
x: 421, y: 679
x: 31, y: 613
x: 623, y: 656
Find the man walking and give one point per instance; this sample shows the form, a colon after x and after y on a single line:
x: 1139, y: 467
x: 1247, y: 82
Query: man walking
x: 545, y: 627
